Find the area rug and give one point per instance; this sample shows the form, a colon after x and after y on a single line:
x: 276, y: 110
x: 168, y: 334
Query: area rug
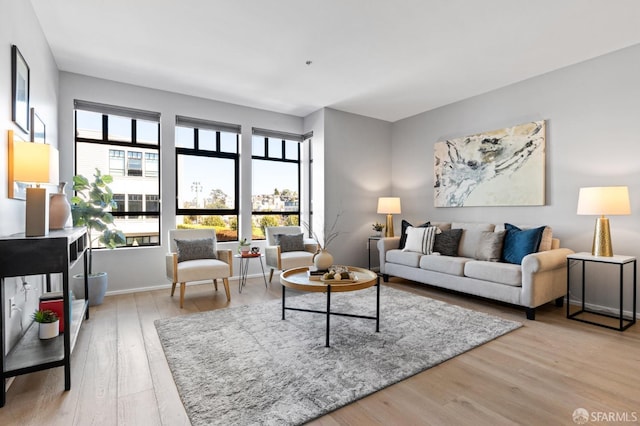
x: 245, y: 366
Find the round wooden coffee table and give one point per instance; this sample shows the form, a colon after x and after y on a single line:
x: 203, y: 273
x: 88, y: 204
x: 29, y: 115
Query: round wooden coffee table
x: 298, y: 279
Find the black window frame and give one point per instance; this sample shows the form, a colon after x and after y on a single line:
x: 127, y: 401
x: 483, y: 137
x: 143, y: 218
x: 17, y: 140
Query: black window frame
x: 133, y: 115
x: 216, y: 153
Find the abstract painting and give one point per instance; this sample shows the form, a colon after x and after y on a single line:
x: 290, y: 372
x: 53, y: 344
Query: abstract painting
x: 503, y: 167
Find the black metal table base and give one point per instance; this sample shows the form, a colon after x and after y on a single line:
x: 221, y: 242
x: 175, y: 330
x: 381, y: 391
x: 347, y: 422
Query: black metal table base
x: 328, y: 312
x: 244, y: 270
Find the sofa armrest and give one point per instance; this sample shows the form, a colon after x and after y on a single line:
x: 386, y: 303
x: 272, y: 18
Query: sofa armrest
x: 384, y: 245
x: 272, y: 256
x: 310, y: 245
x: 545, y: 260
x: 226, y: 256
x: 171, y: 262
x: 544, y: 276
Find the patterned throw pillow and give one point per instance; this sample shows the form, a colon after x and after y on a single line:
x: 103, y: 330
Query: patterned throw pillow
x: 420, y: 240
x: 403, y: 235
x: 447, y: 242
x: 197, y: 248
x: 294, y: 242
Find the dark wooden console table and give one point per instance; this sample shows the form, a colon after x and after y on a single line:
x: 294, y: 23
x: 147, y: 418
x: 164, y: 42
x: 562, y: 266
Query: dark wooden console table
x: 55, y: 253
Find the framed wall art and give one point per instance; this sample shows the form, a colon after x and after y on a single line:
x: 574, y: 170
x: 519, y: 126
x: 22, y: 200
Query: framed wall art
x: 19, y: 89
x: 38, y: 129
x: 504, y: 167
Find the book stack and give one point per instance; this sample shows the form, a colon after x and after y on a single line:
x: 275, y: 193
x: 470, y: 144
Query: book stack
x: 316, y: 274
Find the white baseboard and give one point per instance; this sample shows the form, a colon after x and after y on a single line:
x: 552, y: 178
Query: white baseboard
x: 602, y: 309
x: 168, y: 286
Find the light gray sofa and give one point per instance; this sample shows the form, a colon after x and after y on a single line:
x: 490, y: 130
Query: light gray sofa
x: 541, y: 278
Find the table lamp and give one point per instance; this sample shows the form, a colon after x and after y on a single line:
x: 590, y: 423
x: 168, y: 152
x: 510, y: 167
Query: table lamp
x: 601, y: 201
x: 389, y: 206
x: 33, y: 163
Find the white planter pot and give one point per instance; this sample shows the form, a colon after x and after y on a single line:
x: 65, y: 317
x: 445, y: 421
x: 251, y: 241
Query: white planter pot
x: 98, y: 284
x: 48, y: 330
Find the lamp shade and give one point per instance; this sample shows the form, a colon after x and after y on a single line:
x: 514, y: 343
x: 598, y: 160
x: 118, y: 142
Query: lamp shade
x: 604, y: 200
x: 32, y: 162
x: 389, y: 205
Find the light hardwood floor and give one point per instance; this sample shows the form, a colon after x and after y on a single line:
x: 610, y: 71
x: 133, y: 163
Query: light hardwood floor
x: 536, y: 375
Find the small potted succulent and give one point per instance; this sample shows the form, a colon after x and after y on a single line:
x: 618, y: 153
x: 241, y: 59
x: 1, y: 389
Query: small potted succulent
x: 377, y: 227
x: 49, y: 323
x: 244, y: 247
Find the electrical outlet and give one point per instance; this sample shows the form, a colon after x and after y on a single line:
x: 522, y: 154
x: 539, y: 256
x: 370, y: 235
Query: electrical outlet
x: 12, y: 304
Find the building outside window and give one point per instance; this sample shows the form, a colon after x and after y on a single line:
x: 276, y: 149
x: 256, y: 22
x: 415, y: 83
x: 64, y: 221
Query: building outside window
x: 105, y: 137
x: 207, y: 176
x: 276, y: 171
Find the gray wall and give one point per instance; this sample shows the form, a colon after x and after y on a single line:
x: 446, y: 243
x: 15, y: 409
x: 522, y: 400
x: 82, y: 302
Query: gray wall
x: 20, y: 26
x: 593, y: 126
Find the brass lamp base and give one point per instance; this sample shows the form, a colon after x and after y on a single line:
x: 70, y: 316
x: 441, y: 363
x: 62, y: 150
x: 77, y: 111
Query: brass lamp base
x: 602, y: 238
x: 389, y: 228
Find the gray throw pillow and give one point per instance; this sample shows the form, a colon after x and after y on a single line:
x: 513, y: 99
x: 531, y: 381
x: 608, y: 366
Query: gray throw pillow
x: 490, y: 246
x: 293, y: 242
x: 447, y: 242
x: 193, y: 249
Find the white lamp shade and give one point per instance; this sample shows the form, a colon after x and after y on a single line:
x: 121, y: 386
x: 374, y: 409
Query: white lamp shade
x: 389, y: 205
x: 604, y: 200
x: 34, y: 162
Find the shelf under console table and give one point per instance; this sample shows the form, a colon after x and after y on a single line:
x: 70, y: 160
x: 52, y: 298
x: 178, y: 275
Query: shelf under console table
x: 55, y: 253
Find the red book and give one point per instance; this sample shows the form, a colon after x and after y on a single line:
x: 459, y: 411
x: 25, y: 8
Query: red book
x: 57, y: 306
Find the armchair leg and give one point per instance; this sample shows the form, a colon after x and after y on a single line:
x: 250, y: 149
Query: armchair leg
x: 173, y: 289
x: 183, y: 287
x: 225, y: 281
x: 215, y: 284
x: 270, y: 275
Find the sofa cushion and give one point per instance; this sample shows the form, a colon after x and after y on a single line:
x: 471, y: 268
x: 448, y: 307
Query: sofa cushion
x: 445, y: 264
x: 443, y: 226
x: 195, y: 248
x: 471, y: 236
x: 407, y: 258
x: 420, y: 240
x: 447, y: 242
x: 546, y: 243
x: 293, y: 242
x: 490, y: 246
x: 403, y: 234
x: 518, y: 243
x: 503, y: 273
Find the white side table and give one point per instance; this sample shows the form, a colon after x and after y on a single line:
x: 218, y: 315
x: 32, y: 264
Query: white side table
x: 621, y: 262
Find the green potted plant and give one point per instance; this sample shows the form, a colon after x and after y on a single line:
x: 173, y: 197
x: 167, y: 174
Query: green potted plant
x: 244, y: 246
x: 48, y: 323
x: 91, y: 207
x: 378, y: 227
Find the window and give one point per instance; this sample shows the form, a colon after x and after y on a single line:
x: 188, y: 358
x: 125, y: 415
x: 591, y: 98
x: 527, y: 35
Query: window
x: 208, y: 175
x: 116, y: 162
x: 134, y: 163
x: 151, y: 164
x: 276, y: 170
x: 116, y: 140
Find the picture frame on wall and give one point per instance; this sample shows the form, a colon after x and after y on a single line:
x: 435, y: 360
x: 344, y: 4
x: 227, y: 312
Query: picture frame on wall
x: 38, y: 128
x: 20, y: 89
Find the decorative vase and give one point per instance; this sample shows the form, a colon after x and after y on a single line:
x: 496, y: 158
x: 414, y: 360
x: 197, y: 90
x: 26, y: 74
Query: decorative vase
x: 323, y: 259
x: 98, y: 284
x: 48, y: 330
x: 59, y: 208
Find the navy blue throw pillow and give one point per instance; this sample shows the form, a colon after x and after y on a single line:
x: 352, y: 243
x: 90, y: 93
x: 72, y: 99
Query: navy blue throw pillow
x: 403, y: 235
x: 518, y: 243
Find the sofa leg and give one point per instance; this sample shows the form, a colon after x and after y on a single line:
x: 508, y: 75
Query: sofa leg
x: 560, y: 302
x: 531, y: 314
x: 385, y: 278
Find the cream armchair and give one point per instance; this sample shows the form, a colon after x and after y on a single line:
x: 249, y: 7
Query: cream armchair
x: 194, y: 257
x: 280, y: 258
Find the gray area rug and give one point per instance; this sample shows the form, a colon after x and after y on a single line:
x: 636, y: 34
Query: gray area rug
x: 245, y: 366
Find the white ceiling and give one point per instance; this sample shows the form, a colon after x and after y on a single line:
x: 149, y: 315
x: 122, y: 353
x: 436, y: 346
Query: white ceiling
x: 387, y: 59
